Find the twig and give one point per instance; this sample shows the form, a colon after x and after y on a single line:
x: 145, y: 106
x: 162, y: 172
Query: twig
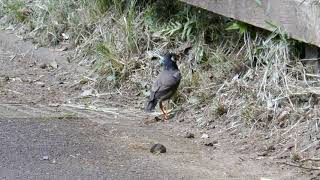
x: 312, y: 144
x: 221, y: 88
x: 313, y: 75
x: 310, y: 159
x: 91, y: 79
x: 13, y: 57
x: 311, y: 59
x: 293, y: 126
x: 301, y: 166
x: 16, y: 92
x: 106, y: 94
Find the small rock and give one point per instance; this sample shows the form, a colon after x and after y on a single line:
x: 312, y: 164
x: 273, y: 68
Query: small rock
x: 54, y: 105
x: 7, y: 78
x: 45, y: 158
x: 54, y: 64
x: 65, y: 36
x: 41, y: 84
x: 157, y: 119
x: 189, y: 135
x: 43, y: 66
x: 204, y: 136
x: 61, y: 49
x: 215, y: 142
x: 181, y: 120
x: 158, y: 148
x: 87, y: 93
x: 32, y: 64
x: 85, y: 62
x: 210, y: 143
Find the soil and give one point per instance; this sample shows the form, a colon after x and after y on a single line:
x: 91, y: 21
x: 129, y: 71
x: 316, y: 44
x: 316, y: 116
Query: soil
x: 113, y: 144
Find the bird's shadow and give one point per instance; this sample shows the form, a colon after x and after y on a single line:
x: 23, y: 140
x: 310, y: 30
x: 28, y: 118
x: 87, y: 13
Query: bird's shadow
x: 157, y: 119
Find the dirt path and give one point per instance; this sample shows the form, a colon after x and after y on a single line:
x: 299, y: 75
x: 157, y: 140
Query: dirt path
x: 40, y: 140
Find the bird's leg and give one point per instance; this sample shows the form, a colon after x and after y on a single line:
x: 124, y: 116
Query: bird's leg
x: 171, y: 108
x: 163, y: 111
x: 168, y: 111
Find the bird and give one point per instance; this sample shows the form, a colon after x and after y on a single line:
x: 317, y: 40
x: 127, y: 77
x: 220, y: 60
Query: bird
x: 165, y: 85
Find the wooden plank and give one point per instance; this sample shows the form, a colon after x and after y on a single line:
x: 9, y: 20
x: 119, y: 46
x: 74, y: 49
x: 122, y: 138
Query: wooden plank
x: 299, y: 18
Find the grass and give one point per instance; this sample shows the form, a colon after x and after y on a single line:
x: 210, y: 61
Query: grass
x: 233, y: 73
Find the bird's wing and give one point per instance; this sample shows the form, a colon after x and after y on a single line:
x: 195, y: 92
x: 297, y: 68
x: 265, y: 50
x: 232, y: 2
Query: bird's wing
x: 166, y: 81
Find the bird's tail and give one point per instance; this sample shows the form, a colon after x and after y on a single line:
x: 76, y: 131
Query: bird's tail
x: 150, y: 105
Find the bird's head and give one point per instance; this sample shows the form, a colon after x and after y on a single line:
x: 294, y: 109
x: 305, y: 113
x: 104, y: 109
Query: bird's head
x: 169, y: 61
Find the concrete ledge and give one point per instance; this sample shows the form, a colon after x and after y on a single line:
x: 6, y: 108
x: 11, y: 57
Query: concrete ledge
x: 299, y: 18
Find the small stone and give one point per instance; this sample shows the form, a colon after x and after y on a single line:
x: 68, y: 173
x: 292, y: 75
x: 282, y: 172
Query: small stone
x: 87, y: 93
x: 65, y: 36
x: 189, y: 135
x: 45, y: 158
x: 54, y: 64
x: 204, y: 136
x: 32, y: 64
x: 7, y: 78
x: 211, y: 143
x: 41, y: 84
x: 215, y: 142
x: 158, y: 148
x: 181, y: 120
x: 43, y: 66
x: 157, y: 119
x: 54, y: 105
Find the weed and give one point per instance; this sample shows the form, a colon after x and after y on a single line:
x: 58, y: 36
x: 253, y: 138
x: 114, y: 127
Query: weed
x: 17, y: 9
x: 221, y: 109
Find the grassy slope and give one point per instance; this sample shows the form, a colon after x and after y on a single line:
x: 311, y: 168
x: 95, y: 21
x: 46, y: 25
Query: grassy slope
x: 244, y: 77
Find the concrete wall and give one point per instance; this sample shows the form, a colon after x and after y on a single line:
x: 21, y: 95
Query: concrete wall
x: 299, y: 18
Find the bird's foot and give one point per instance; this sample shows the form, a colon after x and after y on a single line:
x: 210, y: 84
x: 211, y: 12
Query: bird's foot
x: 166, y: 117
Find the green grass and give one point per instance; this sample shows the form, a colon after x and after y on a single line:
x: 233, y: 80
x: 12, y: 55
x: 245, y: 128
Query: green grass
x: 14, y: 9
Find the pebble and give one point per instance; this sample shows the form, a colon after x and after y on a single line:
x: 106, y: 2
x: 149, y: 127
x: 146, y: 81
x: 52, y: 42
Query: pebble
x: 157, y: 119
x: 86, y: 93
x: 53, y: 64
x: 181, y: 120
x: 189, y: 135
x: 204, y: 136
x: 43, y: 66
x: 211, y: 143
x: 7, y: 78
x: 158, y: 148
x: 41, y: 84
x: 45, y: 158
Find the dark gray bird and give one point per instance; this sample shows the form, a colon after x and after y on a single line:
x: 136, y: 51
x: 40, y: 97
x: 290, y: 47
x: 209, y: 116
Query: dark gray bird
x: 165, y: 85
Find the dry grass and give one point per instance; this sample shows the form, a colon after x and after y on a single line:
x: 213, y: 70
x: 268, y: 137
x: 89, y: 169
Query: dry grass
x: 244, y: 78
